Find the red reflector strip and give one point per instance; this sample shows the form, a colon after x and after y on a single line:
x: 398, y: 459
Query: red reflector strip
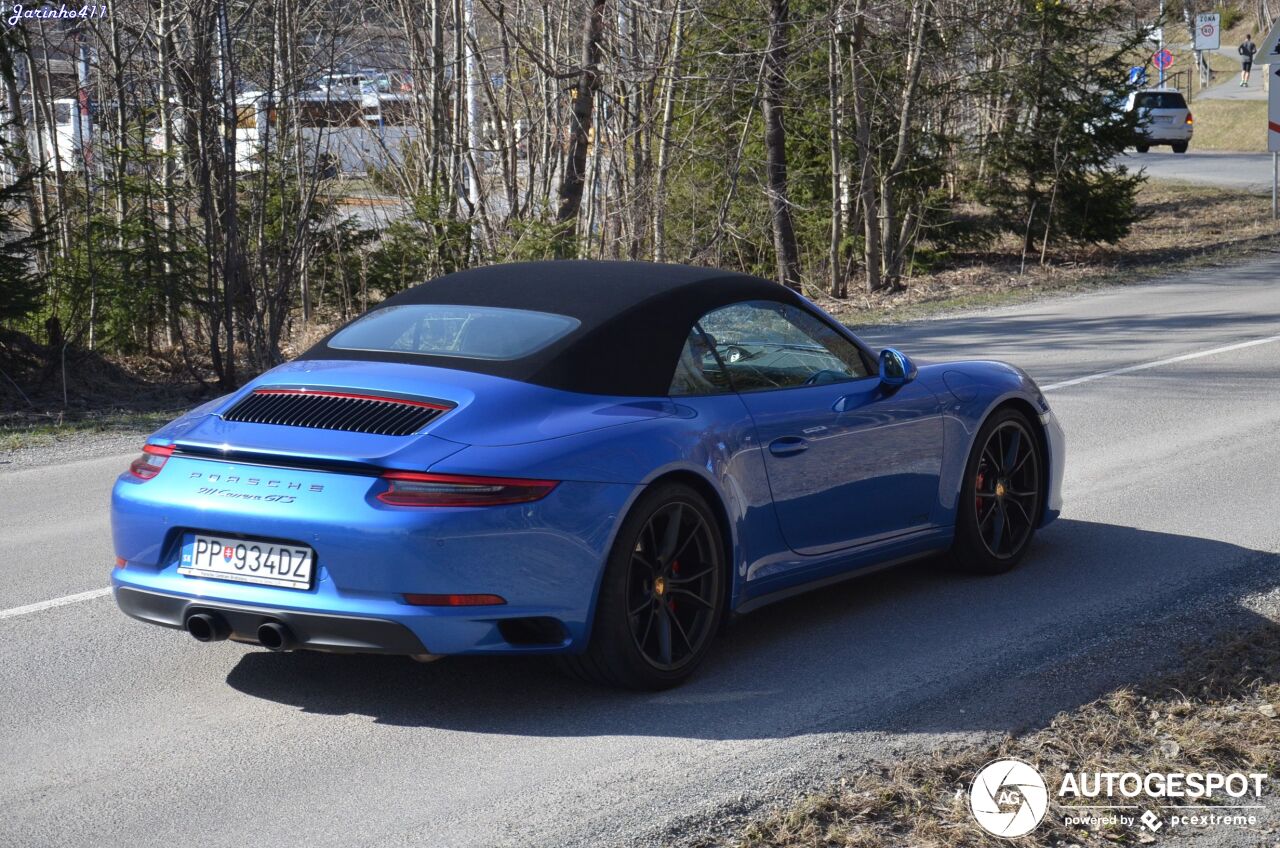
x: 152, y: 460
x: 454, y: 600
x: 411, y: 488
x: 351, y: 396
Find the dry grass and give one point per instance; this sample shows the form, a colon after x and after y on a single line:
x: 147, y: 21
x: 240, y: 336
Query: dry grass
x: 1184, y: 227
x: 1231, y: 125
x: 1217, y: 714
x: 122, y: 395
x: 17, y: 433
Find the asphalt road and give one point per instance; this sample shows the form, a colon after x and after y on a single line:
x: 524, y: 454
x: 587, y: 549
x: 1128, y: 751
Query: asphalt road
x: 1248, y: 171
x: 117, y: 733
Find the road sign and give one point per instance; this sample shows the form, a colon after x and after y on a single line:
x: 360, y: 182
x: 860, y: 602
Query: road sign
x: 1269, y: 49
x: 1137, y: 75
x: 1273, y: 138
x: 1208, y: 31
x: 1273, y: 112
x: 1163, y: 59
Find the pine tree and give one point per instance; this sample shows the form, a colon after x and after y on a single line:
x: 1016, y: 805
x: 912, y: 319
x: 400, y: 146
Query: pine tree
x: 21, y: 285
x: 1053, y: 173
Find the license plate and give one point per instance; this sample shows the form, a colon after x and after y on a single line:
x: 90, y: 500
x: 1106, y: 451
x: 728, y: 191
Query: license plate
x: 1164, y: 119
x: 246, y: 561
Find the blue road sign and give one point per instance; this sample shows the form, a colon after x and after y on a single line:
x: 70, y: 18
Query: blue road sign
x: 1163, y: 59
x: 1137, y: 75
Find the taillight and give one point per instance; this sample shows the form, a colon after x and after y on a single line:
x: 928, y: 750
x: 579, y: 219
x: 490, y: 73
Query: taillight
x: 410, y: 488
x: 1190, y: 120
x: 152, y: 460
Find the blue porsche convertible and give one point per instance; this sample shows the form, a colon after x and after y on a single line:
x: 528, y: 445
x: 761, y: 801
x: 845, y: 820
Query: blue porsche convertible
x: 600, y: 460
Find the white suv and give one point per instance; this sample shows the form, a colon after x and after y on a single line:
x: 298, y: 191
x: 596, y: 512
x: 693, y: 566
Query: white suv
x: 1163, y: 118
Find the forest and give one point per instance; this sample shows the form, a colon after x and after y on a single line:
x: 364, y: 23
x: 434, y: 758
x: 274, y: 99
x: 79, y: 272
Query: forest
x: 222, y: 181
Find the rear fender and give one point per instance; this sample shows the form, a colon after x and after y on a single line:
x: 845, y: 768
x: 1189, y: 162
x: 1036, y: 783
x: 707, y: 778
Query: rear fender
x: 711, y: 438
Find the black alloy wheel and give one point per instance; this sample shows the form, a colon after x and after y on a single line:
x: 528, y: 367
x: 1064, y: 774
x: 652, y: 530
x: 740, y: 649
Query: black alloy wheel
x: 1002, y: 497
x: 663, y: 593
x: 673, y: 585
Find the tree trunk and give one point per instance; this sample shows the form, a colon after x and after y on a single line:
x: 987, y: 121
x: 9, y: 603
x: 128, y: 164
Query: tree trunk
x: 664, y: 136
x: 579, y: 130
x: 232, y: 259
x: 893, y: 248
x: 835, y: 105
x: 867, y: 196
x: 786, y: 252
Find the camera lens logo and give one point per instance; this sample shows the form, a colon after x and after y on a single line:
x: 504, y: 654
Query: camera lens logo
x: 1008, y: 798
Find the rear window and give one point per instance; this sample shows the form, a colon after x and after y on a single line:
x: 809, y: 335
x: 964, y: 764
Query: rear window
x: 473, y: 332
x: 1159, y: 100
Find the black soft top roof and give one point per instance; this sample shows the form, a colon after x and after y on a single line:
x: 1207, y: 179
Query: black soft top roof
x: 635, y: 317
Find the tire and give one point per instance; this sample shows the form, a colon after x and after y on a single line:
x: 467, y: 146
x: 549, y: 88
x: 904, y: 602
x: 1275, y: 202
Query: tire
x: 1181, y: 147
x: 1142, y: 148
x: 661, y: 602
x: 991, y: 493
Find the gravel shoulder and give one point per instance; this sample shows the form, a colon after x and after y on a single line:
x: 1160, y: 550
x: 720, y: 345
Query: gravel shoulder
x: 82, y: 446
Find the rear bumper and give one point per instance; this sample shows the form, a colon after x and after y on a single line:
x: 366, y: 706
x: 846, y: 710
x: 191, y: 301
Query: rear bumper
x: 1166, y: 135
x: 312, y: 631
x: 544, y: 558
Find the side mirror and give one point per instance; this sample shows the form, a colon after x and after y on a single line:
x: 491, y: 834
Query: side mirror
x: 895, y: 368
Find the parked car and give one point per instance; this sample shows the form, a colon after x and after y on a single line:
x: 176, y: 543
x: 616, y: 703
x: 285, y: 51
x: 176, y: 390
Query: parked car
x: 1163, y: 117
x: 600, y: 460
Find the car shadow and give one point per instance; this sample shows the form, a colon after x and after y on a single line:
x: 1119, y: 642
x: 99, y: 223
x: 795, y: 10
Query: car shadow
x: 1094, y: 606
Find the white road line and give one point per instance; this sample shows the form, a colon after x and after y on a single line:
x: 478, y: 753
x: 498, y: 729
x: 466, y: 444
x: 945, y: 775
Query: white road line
x: 1089, y: 378
x: 39, y: 606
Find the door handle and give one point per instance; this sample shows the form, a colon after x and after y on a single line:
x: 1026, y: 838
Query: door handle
x: 788, y: 446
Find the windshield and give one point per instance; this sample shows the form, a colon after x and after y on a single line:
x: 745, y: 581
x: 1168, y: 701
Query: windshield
x: 474, y: 332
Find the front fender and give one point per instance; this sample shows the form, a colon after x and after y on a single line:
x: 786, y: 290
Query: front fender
x: 970, y: 392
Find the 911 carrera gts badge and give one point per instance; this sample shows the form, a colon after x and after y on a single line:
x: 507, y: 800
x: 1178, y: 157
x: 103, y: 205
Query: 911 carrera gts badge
x: 244, y: 496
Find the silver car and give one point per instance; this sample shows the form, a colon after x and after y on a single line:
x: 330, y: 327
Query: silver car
x: 1162, y: 118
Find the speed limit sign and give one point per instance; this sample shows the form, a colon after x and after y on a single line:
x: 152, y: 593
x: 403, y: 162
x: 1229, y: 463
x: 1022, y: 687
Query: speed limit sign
x: 1208, y: 31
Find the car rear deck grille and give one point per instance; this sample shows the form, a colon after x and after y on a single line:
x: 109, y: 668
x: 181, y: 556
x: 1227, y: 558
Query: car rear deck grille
x: 334, y: 410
